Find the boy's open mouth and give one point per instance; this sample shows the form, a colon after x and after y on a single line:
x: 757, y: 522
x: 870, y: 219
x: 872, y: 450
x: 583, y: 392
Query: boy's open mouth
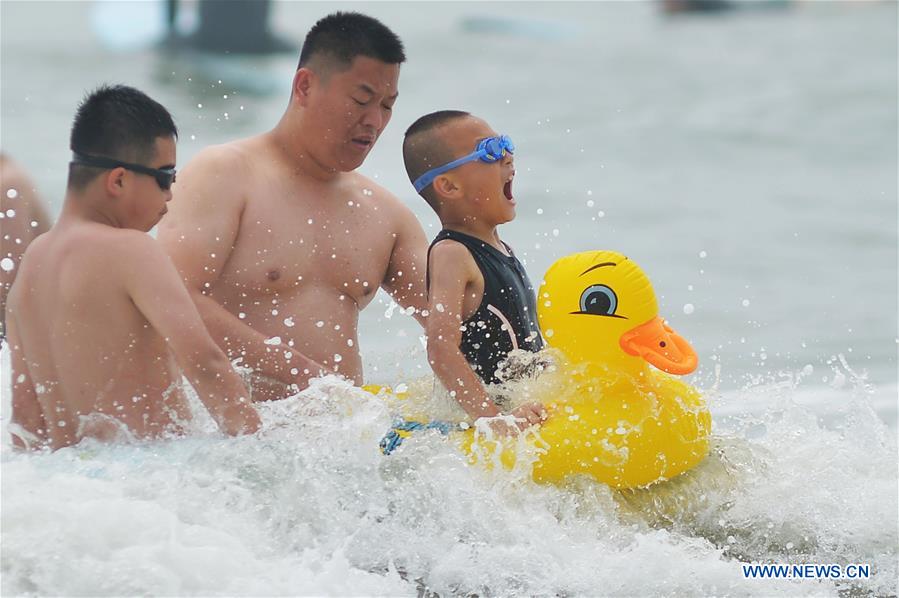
x: 507, y: 190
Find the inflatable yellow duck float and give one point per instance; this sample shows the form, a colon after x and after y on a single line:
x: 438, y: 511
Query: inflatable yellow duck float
x: 615, y: 419
x: 624, y: 423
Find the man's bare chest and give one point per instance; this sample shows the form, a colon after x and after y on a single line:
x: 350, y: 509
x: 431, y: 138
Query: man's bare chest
x: 282, y: 247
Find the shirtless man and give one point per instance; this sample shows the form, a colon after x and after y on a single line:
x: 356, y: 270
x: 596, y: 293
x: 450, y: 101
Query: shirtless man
x: 97, y: 305
x: 22, y: 219
x: 278, y: 238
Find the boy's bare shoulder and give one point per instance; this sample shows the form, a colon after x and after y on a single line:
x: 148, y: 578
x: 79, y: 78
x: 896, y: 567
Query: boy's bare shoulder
x: 123, y: 245
x: 451, y: 255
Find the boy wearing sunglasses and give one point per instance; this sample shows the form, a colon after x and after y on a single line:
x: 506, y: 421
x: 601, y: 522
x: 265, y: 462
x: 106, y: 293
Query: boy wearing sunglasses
x: 98, y: 311
x: 481, y: 303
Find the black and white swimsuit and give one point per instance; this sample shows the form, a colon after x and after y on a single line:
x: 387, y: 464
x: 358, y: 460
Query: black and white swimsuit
x: 506, y: 319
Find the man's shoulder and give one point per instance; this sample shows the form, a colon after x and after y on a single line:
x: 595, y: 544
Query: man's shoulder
x: 400, y: 217
x: 379, y: 194
x: 217, y: 176
x: 225, y: 158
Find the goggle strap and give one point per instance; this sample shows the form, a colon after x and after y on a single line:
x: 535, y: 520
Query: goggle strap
x: 481, y: 153
x: 104, y: 162
x: 428, y: 177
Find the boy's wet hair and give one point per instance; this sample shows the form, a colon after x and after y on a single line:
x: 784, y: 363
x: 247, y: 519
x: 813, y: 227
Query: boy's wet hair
x: 342, y: 36
x: 117, y: 122
x: 424, y: 148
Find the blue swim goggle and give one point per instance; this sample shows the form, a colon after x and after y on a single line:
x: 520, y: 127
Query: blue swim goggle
x: 489, y: 150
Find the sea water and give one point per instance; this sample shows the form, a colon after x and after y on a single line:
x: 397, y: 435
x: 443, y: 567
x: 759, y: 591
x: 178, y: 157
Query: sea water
x: 747, y: 162
x: 309, y: 506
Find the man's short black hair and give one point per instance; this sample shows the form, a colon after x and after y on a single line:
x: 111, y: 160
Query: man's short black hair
x: 342, y: 36
x: 117, y: 122
x: 424, y: 148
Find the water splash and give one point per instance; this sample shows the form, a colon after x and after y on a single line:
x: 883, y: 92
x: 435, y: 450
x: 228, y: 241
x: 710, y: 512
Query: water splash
x: 309, y: 506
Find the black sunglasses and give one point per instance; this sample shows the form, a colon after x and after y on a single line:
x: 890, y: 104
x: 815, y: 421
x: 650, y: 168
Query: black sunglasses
x: 164, y: 176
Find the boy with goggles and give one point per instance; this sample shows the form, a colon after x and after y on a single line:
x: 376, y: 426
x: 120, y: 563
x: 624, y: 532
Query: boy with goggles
x: 101, y: 328
x: 481, y: 303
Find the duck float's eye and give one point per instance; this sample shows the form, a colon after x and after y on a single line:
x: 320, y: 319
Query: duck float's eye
x: 599, y: 300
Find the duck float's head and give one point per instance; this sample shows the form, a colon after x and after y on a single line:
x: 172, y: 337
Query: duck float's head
x: 599, y: 308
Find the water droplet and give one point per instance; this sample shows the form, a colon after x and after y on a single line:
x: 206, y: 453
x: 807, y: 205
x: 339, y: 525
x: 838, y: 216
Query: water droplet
x: 689, y: 308
x: 274, y: 341
x: 338, y: 358
x: 288, y: 322
x: 12, y: 193
x: 745, y: 302
x: 703, y: 254
x: 7, y: 264
x: 320, y: 324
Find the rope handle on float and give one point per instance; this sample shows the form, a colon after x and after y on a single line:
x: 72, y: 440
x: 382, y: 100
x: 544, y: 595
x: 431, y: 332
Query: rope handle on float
x: 403, y: 428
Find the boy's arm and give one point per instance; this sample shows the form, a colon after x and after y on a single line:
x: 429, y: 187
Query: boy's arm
x: 156, y: 289
x: 452, y: 270
x: 405, y: 277
x: 199, y: 235
x: 27, y: 413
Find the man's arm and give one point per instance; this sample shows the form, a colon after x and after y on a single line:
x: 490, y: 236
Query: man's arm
x: 405, y: 277
x: 29, y: 429
x: 156, y: 289
x: 18, y: 195
x: 199, y: 235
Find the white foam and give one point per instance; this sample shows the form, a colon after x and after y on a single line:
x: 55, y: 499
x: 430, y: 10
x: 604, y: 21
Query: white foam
x: 309, y: 506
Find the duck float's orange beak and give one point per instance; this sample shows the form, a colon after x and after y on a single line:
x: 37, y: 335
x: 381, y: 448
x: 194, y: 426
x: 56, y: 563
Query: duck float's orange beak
x: 661, y: 346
